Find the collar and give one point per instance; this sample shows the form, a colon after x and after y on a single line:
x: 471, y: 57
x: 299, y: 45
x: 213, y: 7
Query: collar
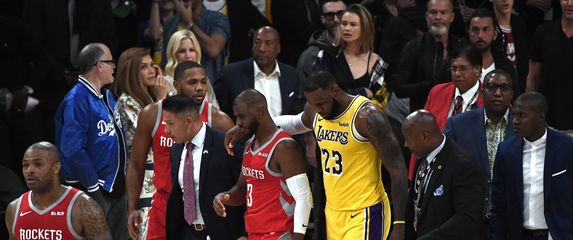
x: 258, y: 71
x: 469, y: 94
x: 486, y: 119
x: 199, y: 138
x: 90, y: 87
x: 434, y: 153
x: 539, y: 141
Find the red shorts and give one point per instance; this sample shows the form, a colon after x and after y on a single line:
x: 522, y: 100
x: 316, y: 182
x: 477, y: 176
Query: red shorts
x: 270, y: 236
x: 156, y: 222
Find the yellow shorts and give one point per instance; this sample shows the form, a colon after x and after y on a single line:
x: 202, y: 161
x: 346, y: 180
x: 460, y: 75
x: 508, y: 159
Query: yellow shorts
x: 368, y: 224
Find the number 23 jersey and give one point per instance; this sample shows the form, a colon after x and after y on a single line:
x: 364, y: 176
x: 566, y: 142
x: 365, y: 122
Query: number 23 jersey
x: 350, y: 164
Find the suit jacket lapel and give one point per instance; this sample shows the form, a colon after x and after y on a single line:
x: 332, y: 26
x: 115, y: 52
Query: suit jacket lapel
x: 205, y: 158
x: 249, y: 78
x: 285, y: 91
x: 480, y: 137
x: 175, y: 156
x: 509, y: 129
x: 548, y: 168
x: 518, y: 169
x: 436, y: 177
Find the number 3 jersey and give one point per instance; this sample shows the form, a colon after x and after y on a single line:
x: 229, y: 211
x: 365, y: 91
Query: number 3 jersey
x: 350, y: 164
x: 270, y: 206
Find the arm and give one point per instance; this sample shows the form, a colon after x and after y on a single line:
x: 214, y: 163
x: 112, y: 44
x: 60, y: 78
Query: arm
x: 234, y: 197
x: 221, y: 120
x: 534, y: 76
x: 136, y: 167
x: 10, y: 218
x: 290, y: 161
x: 212, y: 44
x: 91, y: 217
x: 153, y: 31
x: 373, y: 123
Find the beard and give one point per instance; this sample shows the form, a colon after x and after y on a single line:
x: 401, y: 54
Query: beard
x: 438, y: 29
x: 333, y: 110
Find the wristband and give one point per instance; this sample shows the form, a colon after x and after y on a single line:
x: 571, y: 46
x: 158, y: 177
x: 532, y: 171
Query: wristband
x: 399, y: 222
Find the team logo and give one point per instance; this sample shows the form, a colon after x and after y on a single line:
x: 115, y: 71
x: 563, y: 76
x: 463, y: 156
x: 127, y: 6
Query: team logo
x: 332, y: 135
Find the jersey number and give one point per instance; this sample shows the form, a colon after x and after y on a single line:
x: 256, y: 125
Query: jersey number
x: 249, y: 195
x: 337, y: 157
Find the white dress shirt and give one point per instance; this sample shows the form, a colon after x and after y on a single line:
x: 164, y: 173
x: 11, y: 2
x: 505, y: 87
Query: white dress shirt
x: 270, y: 87
x: 485, y: 71
x: 533, y: 164
x: 469, y: 97
x: 197, y: 153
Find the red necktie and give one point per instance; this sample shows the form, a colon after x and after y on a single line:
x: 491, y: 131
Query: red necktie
x: 458, y: 105
x: 190, y: 211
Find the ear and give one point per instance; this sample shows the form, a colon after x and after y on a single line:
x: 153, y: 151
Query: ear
x: 189, y: 123
x: 322, y: 19
x: 56, y: 168
x: 177, y: 86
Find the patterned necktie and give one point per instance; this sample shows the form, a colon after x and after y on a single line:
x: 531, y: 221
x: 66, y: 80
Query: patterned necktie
x: 189, y: 212
x: 458, y: 105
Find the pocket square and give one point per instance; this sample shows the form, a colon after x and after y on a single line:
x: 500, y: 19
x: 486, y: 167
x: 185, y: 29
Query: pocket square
x: 439, y: 191
x: 290, y: 94
x: 558, y: 173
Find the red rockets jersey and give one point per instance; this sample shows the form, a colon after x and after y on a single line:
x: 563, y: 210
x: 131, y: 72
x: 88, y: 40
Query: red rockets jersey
x: 54, y: 222
x: 205, y: 112
x: 270, y: 206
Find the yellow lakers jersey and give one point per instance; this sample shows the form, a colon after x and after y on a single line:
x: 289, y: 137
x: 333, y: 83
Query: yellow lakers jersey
x: 350, y: 165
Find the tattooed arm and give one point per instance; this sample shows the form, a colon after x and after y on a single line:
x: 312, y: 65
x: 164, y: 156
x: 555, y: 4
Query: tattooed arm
x: 88, y: 216
x: 373, y: 123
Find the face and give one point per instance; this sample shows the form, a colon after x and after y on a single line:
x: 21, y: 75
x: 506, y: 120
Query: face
x: 567, y: 7
x: 323, y: 101
x: 497, y: 94
x: 167, y: 5
x: 439, y: 17
x: 482, y: 33
x: 246, y: 118
x: 464, y: 75
x: 193, y: 83
x: 413, y: 140
x: 503, y: 6
x: 266, y: 47
x: 331, y: 14
x: 526, y: 121
x: 106, y: 66
x: 350, y: 27
x: 177, y: 126
x: 186, y: 51
x: 147, y: 71
x: 39, y: 169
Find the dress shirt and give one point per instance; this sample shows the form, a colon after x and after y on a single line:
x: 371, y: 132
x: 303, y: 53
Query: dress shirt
x: 431, y: 158
x: 533, y: 164
x: 269, y: 86
x: 197, y: 153
x: 469, y: 97
x: 485, y: 71
x: 494, y: 134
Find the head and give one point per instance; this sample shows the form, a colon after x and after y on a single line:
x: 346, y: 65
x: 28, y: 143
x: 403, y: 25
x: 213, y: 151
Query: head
x: 41, y: 166
x: 136, y: 75
x: 167, y: 5
x: 503, y: 7
x: 181, y: 117
x: 95, y: 59
x: 529, y: 113
x: 465, y: 67
x: 182, y: 46
x: 191, y: 80
x: 332, y: 11
x: 497, y: 92
x: 356, y: 26
x: 439, y: 16
x: 567, y: 8
x: 482, y: 29
x: 250, y: 108
x: 421, y: 133
x: 321, y: 91
x: 266, y: 47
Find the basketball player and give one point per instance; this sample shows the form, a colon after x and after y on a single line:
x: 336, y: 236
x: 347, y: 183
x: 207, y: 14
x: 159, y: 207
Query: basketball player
x: 190, y: 80
x: 273, y: 182
x: 50, y: 210
x: 354, y: 137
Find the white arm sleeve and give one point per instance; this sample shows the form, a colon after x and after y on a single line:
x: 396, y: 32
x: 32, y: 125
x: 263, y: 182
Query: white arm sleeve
x: 300, y: 190
x: 292, y: 124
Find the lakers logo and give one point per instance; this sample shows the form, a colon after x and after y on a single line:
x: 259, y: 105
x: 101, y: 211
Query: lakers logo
x: 332, y: 135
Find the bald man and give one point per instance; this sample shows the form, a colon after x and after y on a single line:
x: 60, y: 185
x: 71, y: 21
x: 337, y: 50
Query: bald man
x: 273, y: 183
x: 446, y: 196
x: 50, y: 210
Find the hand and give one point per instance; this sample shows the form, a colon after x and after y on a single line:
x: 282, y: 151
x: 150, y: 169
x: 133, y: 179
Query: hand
x: 542, y: 5
x: 369, y: 93
x: 310, y: 149
x: 467, y: 13
x: 160, y: 88
x: 186, y: 12
x: 397, y: 232
x: 231, y: 136
x: 219, y: 204
x: 133, y: 221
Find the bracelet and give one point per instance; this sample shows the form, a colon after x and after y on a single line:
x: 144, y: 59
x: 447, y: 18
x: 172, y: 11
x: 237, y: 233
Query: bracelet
x: 399, y: 222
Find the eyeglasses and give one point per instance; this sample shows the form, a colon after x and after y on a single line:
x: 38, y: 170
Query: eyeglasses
x: 458, y: 69
x: 433, y: 13
x: 110, y: 62
x: 504, y: 88
x: 330, y: 15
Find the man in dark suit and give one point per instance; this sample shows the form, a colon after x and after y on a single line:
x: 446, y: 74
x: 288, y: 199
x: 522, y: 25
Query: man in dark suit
x: 200, y: 168
x: 532, y: 178
x: 480, y: 131
x: 445, y: 200
x: 277, y: 81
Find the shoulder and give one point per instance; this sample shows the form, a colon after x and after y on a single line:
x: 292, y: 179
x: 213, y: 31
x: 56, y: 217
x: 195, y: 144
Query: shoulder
x: 285, y: 68
x: 547, y: 28
x: 562, y: 139
x: 286, y: 145
x: 236, y: 66
x: 448, y: 86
